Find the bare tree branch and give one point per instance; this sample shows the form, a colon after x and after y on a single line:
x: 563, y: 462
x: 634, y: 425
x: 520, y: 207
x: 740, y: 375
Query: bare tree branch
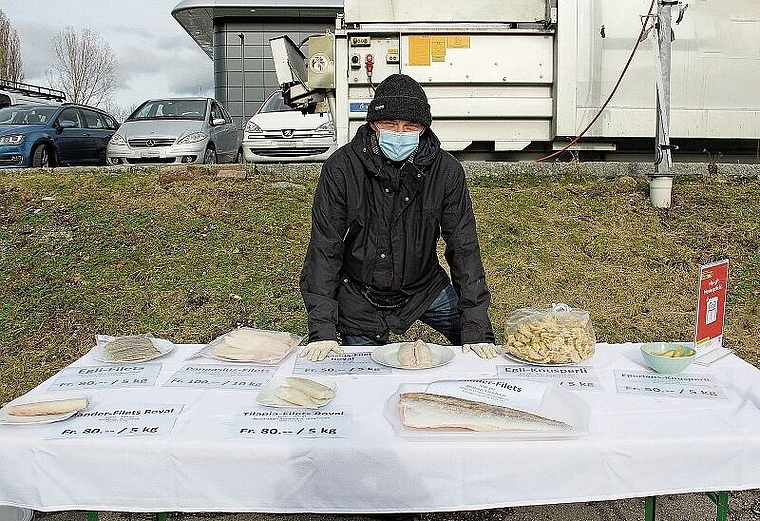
x: 85, y: 67
x: 11, y: 66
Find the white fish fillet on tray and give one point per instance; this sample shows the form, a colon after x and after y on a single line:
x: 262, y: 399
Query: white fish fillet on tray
x: 49, y: 407
x: 250, y: 345
x: 421, y: 410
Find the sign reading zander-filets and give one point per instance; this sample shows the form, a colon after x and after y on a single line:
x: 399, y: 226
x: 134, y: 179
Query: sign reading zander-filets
x: 220, y: 376
x: 573, y: 378
x: 348, y: 363
x: 106, y: 377
x: 128, y: 419
x: 265, y: 423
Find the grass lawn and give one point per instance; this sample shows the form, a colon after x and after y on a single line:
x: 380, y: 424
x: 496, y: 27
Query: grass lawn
x: 188, y: 256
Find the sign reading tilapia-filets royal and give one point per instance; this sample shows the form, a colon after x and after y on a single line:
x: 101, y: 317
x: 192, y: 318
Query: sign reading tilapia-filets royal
x: 711, y: 305
x: 118, y: 420
x: 105, y: 377
x: 220, y: 376
x: 265, y: 423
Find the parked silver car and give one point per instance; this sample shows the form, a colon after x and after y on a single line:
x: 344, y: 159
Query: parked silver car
x: 180, y: 130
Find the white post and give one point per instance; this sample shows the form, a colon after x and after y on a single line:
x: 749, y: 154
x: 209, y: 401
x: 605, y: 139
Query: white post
x: 242, y: 73
x: 660, y: 187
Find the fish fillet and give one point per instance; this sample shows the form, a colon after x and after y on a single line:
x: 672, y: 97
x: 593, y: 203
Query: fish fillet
x: 434, y: 411
x: 319, y: 392
x: 50, y: 407
x: 295, y: 396
x: 251, y: 346
x: 131, y: 348
x: 415, y: 354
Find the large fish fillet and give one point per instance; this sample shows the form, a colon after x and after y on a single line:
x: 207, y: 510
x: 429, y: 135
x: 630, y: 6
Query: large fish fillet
x: 434, y: 411
x: 251, y: 346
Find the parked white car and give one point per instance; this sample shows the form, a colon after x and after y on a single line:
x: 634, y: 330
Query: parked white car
x: 180, y: 130
x: 277, y: 133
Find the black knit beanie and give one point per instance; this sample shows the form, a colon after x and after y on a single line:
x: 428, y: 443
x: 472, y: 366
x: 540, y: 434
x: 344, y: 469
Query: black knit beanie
x: 400, y: 97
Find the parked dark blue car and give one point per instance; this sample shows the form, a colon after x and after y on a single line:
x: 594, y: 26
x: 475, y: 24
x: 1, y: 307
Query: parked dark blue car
x: 51, y: 135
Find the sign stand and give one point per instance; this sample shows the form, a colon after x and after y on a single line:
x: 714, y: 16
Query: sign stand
x: 711, y: 305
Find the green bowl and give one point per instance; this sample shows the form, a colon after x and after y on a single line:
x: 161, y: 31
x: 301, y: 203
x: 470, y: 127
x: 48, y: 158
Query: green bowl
x: 654, y: 355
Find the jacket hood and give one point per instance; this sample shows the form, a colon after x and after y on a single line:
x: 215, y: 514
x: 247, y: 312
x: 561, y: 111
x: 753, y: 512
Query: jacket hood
x: 428, y: 148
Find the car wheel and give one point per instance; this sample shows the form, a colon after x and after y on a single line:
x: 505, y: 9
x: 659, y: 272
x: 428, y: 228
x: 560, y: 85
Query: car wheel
x: 42, y: 157
x: 209, y: 158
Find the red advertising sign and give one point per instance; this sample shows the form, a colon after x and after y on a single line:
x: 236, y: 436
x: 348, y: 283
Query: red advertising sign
x: 711, y: 304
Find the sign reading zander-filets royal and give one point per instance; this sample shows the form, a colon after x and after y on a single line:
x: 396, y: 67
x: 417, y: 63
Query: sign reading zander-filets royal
x: 118, y: 420
x: 573, y: 378
x: 106, y: 377
x: 348, y: 363
x: 221, y: 376
x: 266, y: 423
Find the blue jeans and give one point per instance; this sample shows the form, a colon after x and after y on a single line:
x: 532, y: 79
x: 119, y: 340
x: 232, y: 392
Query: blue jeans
x: 442, y: 315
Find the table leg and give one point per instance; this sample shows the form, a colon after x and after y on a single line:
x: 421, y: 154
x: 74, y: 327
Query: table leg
x: 650, y: 504
x: 92, y: 516
x: 721, y: 500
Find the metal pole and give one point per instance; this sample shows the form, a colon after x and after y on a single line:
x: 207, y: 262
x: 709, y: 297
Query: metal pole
x: 661, y: 185
x: 242, y: 71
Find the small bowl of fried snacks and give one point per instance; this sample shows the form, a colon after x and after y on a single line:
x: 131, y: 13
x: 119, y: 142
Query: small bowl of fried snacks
x: 668, y: 357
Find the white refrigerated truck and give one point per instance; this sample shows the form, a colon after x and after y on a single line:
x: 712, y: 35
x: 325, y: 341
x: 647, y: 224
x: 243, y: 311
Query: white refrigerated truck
x: 525, y: 76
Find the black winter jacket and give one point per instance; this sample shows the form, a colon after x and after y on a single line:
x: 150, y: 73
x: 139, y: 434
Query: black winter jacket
x: 377, y: 223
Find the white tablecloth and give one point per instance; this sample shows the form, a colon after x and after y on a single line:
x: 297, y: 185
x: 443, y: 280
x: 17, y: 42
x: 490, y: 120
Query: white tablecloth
x: 636, y: 446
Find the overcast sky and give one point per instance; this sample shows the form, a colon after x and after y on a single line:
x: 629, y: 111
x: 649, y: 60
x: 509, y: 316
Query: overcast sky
x: 156, y: 56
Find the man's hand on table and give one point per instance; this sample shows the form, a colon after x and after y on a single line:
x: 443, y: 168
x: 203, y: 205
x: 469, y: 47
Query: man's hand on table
x: 318, y: 351
x: 483, y: 350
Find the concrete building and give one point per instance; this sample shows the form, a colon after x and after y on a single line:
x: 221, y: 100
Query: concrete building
x: 235, y: 35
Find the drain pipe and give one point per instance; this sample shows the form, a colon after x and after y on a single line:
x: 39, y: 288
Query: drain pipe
x: 661, y: 185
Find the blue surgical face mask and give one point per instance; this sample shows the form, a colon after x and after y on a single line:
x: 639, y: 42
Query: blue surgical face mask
x: 397, y: 146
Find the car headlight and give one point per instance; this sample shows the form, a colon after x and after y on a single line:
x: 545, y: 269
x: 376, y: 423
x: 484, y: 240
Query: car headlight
x: 325, y: 127
x: 192, y: 138
x: 13, y: 139
x: 118, y: 140
x: 252, y: 127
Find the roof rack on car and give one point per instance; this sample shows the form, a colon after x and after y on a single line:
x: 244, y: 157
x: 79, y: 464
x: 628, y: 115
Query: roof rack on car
x: 33, y: 90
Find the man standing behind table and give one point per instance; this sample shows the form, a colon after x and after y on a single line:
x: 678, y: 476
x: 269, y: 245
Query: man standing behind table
x: 381, y: 204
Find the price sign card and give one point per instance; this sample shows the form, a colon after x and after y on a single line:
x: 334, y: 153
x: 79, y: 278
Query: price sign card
x: 155, y: 419
x: 220, y: 376
x: 676, y: 385
x: 711, y: 305
x: 573, y: 378
x: 523, y: 395
x: 348, y: 363
x: 263, y: 423
x: 106, y: 377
